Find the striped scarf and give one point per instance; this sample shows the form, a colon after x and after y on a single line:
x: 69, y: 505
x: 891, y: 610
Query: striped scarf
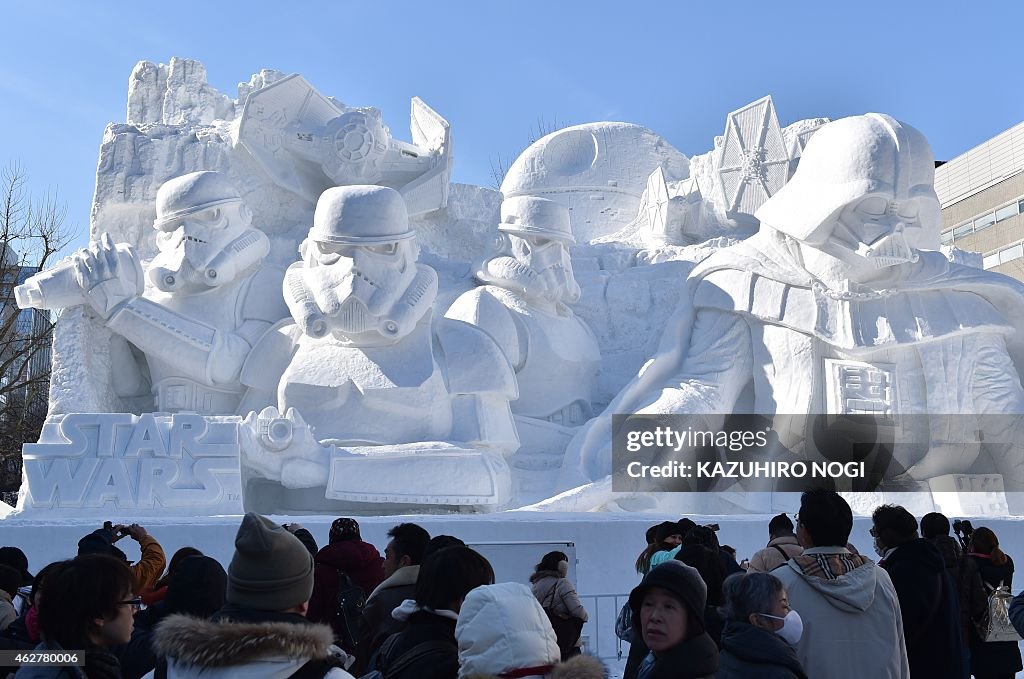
x: 829, y: 566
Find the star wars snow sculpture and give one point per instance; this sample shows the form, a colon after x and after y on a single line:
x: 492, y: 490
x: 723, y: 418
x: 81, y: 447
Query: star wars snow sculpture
x: 383, y: 404
x: 207, y: 301
x: 839, y: 304
x: 524, y: 305
x: 307, y: 142
x: 597, y: 170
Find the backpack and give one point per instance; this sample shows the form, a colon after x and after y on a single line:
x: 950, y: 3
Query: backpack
x: 348, y: 610
x: 996, y: 625
x: 414, y: 656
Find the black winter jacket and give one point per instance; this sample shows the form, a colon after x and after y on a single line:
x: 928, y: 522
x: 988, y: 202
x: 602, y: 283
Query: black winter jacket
x: 749, y: 651
x: 995, y: 657
x: 929, y: 608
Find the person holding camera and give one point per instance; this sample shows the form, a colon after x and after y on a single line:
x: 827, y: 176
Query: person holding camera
x: 151, y: 563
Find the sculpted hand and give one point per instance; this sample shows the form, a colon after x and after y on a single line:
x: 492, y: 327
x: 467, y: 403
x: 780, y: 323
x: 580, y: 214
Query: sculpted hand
x: 107, y: 276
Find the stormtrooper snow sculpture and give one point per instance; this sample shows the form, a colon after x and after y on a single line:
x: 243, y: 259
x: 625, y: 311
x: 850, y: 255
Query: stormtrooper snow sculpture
x: 382, y: 404
x: 207, y: 301
x: 523, y: 305
x: 840, y: 305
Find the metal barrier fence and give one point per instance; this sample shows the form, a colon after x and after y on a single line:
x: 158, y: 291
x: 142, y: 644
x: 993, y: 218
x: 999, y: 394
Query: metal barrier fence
x: 599, y: 632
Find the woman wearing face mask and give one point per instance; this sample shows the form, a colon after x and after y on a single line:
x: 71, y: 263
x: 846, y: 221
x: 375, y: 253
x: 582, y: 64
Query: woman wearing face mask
x: 668, y: 615
x: 760, y: 629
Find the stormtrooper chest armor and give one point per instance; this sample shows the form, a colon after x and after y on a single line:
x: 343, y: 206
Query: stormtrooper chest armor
x: 386, y: 394
x: 560, y: 371
x: 219, y: 308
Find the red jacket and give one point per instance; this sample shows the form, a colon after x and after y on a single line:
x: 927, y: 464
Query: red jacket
x: 359, y: 560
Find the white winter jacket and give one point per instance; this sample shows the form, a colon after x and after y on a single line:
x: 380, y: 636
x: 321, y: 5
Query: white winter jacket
x: 204, y: 649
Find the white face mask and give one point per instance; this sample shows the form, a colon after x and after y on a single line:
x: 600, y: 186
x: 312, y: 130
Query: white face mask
x: 792, y: 627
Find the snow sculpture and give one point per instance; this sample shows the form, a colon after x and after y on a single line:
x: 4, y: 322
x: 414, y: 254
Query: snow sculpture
x: 840, y: 304
x: 753, y: 160
x: 207, y: 301
x: 105, y: 463
x: 597, y: 170
x: 523, y: 303
x: 307, y: 142
x: 382, y: 404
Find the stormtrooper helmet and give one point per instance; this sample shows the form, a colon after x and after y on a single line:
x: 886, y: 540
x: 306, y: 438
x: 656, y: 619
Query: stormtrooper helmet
x: 198, y: 216
x: 539, y: 233
x: 361, y: 245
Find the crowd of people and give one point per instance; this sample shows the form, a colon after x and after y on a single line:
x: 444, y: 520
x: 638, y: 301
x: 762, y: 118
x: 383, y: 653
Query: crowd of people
x: 807, y: 605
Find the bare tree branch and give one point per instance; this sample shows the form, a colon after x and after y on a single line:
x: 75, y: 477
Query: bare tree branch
x: 32, y: 232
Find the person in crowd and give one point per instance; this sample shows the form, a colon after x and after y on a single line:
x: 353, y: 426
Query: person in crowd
x: 928, y: 598
x: 10, y: 580
x: 852, y: 624
x: 26, y: 627
x: 668, y: 536
x: 149, y: 566
x: 503, y: 632
x: 402, y: 558
x: 86, y: 604
x: 304, y: 536
x: 708, y: 536
x: 159, y: 589
x: 196, y: 586
x: 557, y: 596
x: 760, y: 630
x: 964, y: 572
x: 782, y: 546
x: 16, y: 559
x: 346, y: 557
x: 643, y: 560
x: 709, y: 565
x: 439, y: 542
x: 262, y: 630
x: 426, y: 648
x: 993, y: 659
x: 668, y: 615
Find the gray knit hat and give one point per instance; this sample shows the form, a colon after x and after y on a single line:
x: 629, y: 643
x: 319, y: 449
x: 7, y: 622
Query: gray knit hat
x: 271, y: 570
x: 684, y: 582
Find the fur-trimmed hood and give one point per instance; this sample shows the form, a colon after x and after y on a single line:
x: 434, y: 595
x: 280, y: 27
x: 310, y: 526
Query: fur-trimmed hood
x: 268, y: 649
x: 580, y: 667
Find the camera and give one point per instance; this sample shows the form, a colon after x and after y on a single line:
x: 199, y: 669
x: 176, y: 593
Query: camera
x: 964, y: 530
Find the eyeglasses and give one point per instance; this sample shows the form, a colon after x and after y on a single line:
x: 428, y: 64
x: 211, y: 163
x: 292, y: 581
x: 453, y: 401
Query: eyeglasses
x: 135, y: 603
x: 872, y: 532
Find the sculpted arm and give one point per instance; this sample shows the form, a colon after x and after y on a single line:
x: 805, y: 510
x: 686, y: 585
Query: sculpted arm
x: 717, y: 366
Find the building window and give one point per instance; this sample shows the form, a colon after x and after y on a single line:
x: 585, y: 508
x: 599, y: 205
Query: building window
x: 1006, y: 212
x: 990, y: 261
x: 984, y: 221
x: 963, y: 230
x: 1011, y: 253
x: 946, y: 237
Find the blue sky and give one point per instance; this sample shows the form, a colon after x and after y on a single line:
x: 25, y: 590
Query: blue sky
x: 494, y: 68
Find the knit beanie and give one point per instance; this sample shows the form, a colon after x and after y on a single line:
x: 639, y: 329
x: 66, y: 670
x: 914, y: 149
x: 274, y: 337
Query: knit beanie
x: 344, y: 529
x: 271, y: 570
x: 683, y: 581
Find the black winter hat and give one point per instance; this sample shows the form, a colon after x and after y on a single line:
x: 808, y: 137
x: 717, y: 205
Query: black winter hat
x: 16, y: 559
x: 666, y: 529
x: 683, y: 581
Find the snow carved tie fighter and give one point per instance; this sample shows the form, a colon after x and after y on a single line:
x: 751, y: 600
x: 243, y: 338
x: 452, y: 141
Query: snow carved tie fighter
x: 307, y: 142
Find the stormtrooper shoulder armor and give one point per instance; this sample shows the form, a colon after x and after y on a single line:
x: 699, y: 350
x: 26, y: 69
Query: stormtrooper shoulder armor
x: 263, y: 300
x: 270, y: 357
x: 473, y: 363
